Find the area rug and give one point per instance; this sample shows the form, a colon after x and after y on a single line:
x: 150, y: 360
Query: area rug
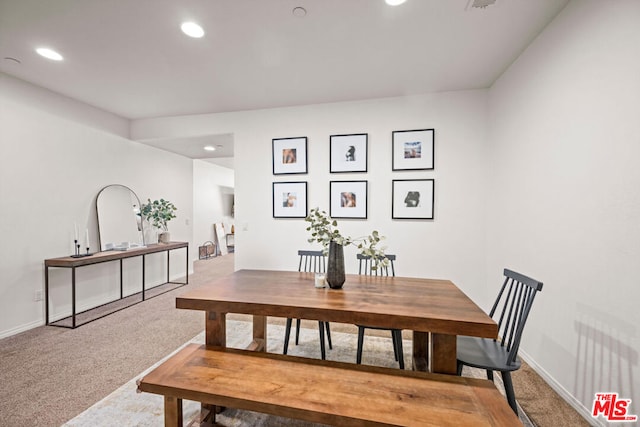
x: 127, y: 407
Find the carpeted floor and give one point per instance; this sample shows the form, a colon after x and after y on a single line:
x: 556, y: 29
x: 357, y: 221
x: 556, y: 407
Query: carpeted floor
x: 49, y: 375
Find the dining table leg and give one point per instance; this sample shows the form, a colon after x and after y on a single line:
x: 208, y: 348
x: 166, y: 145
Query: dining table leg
x: 259, y: 342
x: 444, y: 354
x: 420, y: 351
x: 216, y: 329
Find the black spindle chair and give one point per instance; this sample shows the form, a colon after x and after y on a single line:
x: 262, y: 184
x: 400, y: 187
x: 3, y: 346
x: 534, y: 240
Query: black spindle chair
x: 510, y: 310
x: 311, y: 262
x: 366, y: 266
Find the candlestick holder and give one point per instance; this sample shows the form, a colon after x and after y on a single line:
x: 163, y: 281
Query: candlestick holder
x: 77, y: 250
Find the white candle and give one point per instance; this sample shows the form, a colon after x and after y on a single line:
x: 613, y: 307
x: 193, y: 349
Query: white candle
x: 75, y: 229
x: 87, y: 238
x: 320, y: 280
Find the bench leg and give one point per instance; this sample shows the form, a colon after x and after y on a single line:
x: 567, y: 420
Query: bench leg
x: 172, y: 412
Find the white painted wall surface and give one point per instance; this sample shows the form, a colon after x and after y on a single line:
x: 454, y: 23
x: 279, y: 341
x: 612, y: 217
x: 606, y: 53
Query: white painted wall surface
x: 450, y: 246
x: 55, y: 155
x: 564, y: 145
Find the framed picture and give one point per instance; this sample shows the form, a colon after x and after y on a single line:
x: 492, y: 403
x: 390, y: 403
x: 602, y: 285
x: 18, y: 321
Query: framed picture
x: 412, y: 199
x: 289, y: 199
x: 289, y: 155
x: 412, y: 149
x: 348, y: 153
x: 348, y: 199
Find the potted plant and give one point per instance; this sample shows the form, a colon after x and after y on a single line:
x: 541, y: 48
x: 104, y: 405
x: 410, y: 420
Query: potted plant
x: 324, y: 231
x: 159, y: 213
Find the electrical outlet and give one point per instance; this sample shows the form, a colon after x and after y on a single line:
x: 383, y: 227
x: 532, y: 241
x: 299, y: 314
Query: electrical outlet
x: 38, y: 295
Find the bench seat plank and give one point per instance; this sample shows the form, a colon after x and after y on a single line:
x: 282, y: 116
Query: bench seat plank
x: 327, y: 392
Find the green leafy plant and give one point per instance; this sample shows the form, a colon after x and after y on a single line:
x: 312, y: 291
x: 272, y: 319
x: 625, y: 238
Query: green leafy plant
x: 324, y: 230
x: 159, y: 212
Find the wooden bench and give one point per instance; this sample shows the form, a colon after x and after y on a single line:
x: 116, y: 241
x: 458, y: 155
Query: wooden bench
x: 334, y: 393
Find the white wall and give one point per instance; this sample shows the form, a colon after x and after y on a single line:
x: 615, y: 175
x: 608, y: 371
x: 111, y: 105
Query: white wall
x: 564, y: 145
x: 55, y: 155
x: 451, y: 246
x: 212, y: 190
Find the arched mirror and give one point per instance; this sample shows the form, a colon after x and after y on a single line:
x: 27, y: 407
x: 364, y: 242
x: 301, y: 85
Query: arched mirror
x: 119, y: 219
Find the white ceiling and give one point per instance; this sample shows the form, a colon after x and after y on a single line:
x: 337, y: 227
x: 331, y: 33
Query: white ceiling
x: 130, y: 58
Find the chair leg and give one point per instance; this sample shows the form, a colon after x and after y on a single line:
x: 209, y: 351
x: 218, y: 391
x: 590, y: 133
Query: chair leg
x: 329, y: 335
x: 394, y: 338
x: 508, y: 388
x: 323, y: 354
x: 360, y: 342
x: 297, y: 330
x: 490, y: 375
x: 287, y: 334
x: 400, y: 351
x: 459, y: 367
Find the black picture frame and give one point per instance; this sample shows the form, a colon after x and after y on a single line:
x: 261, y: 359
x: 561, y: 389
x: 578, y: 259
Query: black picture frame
x: 348, y: 199
x: 289, y: 155
x: 412, y: 198
x: 348, y: 153
x: 413, y: 149
x: 289, y: 199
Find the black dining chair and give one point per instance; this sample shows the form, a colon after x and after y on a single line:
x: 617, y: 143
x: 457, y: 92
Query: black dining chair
x: 366, y: 267
x: 310, y: 262
x: 511, y: 309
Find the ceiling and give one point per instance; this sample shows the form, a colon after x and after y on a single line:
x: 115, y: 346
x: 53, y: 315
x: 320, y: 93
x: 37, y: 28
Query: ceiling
x: 130, y: 58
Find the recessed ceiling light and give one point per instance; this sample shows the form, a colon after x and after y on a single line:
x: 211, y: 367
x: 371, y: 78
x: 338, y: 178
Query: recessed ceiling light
x: 394, y: 2
x: 299, y: 11
x: 49, y: 54
x: 210, y: 148
x: 12, y: 60
x: 192, y: 29
x: 481, y: 3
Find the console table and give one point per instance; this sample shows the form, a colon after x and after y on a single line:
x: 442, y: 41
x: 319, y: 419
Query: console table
x: 107, y: 256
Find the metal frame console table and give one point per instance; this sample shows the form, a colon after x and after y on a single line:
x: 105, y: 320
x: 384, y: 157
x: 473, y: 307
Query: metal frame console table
x: 107, y: 256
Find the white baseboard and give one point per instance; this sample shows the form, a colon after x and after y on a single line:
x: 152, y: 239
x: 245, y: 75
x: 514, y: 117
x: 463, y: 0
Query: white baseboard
x: 21, y: 328
x: 563, y: 392
x: 85, y: 305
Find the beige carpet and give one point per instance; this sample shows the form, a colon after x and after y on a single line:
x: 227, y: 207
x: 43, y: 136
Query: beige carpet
x: 49, y: 375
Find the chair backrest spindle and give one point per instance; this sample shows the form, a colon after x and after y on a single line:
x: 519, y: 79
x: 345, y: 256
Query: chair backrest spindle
x: 366, y: 264
x: 513, y: 304
x: 311, y: 261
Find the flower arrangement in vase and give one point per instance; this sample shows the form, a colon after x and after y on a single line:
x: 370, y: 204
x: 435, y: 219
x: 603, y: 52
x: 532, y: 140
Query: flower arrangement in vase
x: 324, y: 231
x: 159, y: 213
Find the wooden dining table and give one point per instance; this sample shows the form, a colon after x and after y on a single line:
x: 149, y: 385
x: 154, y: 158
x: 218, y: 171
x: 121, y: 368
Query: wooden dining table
x: 437, y: 311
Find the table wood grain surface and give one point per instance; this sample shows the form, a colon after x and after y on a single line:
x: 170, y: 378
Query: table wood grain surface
x: 435, y: 310
x: 113, y: 255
